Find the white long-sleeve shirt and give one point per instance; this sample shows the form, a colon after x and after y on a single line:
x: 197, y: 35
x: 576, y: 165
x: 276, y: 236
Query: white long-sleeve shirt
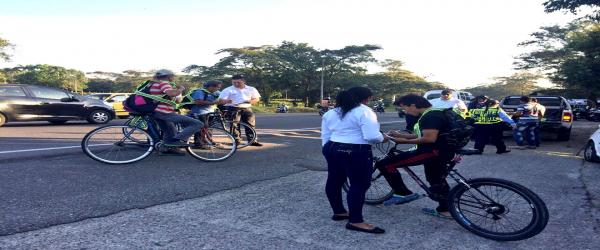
x: 359, y: 126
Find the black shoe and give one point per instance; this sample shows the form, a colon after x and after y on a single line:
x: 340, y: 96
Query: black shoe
x: 502, y: 152
x: 336, y: 217
x: 256, y: 144
x: 172, y: 151
x: 375, y: 230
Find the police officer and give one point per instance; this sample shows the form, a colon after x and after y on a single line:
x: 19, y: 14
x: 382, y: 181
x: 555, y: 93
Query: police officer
x: 489, y: 127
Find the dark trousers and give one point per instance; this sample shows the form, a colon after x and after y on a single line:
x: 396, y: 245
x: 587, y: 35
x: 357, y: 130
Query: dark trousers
x: 167, y: 121
x: 485, y: 133
x: 245, y: 115
x: 353, y: 162
x: 434, y: 162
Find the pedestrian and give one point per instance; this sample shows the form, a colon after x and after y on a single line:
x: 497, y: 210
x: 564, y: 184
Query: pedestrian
x: 346, y: 133
x: 527, y: 122
x: 489, y: 126
x: 240, y: 96
x: 541, y: 111
x: 446, y: 101
x: 478, y: 102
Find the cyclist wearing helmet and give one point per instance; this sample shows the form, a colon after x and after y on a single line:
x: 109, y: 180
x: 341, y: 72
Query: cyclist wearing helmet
x: 165, y: 114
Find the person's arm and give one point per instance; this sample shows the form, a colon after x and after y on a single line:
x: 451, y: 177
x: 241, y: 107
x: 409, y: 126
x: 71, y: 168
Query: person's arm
x: 255, y: 97
x: 396, y: 134
x: 170, y: 91
x: 506, y: 118
x: 461, y: 106
x: 325, y: 132
x: 370, y: 127
x: 224, y: 97
x: 429, y: 136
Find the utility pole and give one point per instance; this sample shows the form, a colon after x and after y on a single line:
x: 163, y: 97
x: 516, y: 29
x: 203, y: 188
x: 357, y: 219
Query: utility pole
x: 322, y: 75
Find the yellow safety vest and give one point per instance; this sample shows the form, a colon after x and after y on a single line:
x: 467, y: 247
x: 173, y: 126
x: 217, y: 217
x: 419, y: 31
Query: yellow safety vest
x: 481, y: 116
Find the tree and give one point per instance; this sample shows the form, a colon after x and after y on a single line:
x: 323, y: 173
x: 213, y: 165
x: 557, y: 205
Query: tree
x: 520, y: 83
x: 569, y: 56
x: 4, y: 46
x: 572, y: 5
x: 53, y: 76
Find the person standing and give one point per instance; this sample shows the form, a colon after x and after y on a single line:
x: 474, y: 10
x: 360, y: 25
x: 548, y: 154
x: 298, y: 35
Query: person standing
x: 346, y: 134
x: 526, y: 124
x: 489, y: 127
x: 241, y: 97
x: 447, y: 101
x: 541, y: 111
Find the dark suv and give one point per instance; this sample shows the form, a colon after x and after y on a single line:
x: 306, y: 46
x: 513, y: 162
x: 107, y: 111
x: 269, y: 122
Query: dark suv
x: 23, y: 102
x: 557, y: 119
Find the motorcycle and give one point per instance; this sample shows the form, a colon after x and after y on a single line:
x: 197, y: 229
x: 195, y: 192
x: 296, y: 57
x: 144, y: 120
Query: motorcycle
x: 282, y: 109
x: 379, y: 108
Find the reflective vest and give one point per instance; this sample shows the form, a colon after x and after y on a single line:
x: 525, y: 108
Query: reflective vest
x: 482, y: 116
x: 189, y: 100
x: 159, y: 98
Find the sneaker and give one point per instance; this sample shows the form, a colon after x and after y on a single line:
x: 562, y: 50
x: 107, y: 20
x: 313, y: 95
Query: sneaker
x: 256, y: 144
x: 401, y: 199
x: 172, y: 151
x: 176, y: 143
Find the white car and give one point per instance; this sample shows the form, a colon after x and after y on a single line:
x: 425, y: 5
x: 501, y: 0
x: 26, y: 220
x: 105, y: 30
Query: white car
x: 466, y: 97
x: 592, y: 148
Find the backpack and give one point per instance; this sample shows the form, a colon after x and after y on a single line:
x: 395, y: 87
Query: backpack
x: 459, y: 130
x: 142, y: 101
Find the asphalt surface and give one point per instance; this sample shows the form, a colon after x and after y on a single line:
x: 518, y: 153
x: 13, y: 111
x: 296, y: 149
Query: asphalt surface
x: 268, y: 197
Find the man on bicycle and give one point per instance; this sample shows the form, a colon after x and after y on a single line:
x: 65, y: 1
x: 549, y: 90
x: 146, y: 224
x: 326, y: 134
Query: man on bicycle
x: 166, y: 91
x: 430, y: 152
x: 241, y: 97
x: 206, y: 100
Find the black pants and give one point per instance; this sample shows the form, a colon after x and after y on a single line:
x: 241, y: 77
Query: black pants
x: 434, y: 162
x: 353, y: 162
x: 485, y: 133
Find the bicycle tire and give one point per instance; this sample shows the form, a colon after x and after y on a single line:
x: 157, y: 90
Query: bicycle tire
x: 219, y: 147
x: 103, y: 142
x: 378, y: 192
x: 243, y: 140
x: 498, y: 210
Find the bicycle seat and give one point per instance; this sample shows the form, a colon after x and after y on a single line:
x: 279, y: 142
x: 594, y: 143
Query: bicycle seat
x: 467, y: 152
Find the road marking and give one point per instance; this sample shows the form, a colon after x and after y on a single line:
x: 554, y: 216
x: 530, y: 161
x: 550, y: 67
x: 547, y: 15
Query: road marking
x: 79, y: 146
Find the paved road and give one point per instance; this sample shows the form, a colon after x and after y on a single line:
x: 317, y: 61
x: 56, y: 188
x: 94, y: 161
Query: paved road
x: 262, y: 197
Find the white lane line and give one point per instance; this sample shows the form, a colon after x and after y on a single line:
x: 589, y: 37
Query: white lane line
x: 79, y: 146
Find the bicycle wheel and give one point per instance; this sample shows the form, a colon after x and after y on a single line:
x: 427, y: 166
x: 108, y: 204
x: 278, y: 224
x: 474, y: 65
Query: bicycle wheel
x: 247, y: 134
x: 213, y: 144
x: 378, y: 192
x: 117, y: 144
x: 498, y: 209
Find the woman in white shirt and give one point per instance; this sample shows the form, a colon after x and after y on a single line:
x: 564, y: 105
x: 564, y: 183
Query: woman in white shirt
x: 347, y: 132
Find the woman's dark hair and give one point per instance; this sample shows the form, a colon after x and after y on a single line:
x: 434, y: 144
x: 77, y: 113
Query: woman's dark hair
x: 489, y: 103
x: 351, y: 98
x: 525, y: 99
x: 417, y: 100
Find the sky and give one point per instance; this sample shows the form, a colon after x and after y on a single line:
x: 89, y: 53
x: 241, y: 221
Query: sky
x: 461, y: 43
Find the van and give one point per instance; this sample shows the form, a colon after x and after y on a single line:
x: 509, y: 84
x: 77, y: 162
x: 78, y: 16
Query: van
x: 461, y: 95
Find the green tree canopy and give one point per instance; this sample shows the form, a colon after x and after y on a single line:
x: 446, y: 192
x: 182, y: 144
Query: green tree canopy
x: 521, y: 83
x: 48, y: 75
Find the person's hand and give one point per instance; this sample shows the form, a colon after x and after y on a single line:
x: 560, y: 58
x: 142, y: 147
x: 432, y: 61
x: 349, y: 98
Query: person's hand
x: 400, y: 140
x: 393, y: 133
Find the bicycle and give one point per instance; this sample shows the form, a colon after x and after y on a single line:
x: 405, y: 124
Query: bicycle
x: 224, y: 120
x: 140, y: 136
x: 472, y: 202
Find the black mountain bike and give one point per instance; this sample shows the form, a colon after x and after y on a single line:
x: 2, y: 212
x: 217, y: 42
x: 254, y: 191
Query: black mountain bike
x: 492, y: 208
x: 243, y: 132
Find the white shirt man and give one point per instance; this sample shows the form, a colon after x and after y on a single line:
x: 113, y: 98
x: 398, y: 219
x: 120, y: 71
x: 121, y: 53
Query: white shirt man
x: 447, y: 101
x: 240, y: 97
x: 359, y: 126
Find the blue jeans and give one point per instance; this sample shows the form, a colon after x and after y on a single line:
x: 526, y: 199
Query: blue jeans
x: 526, y: 132
x: 167, y: 121
x: 353, y: 162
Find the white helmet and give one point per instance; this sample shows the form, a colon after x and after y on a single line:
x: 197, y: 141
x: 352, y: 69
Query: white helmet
x: 163, y: 72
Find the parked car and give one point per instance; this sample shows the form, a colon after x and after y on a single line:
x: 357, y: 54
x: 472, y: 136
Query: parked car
x: 590, y: 153
x: 558, y: 118
x: 461, y: 95
x: 23, y: 102
x: 115, y: 100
